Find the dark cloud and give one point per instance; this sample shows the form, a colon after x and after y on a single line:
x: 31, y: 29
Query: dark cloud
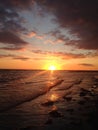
x: 80, y: 16
x: 11, y: 22
x: 17, y: 4
x: 10, y: 18
x: 85, y: 64
x: 10, y: 38
x: 58, y: 35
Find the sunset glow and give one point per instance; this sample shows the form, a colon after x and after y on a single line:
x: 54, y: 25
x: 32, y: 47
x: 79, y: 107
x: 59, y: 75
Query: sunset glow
x: 52, y: 67
x: 42, y: 35
x: 48, y: 64
x: 53, y: 97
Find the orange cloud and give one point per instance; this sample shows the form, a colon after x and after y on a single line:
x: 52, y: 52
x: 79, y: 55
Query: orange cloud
x: 31, y: 34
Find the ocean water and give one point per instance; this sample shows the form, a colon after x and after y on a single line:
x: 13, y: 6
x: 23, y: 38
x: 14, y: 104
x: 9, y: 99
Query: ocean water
x: 27, y: 97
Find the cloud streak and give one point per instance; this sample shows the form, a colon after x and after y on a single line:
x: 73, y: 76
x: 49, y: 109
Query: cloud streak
x: 62, y: 55
x: 15, y: 57
x: 85, y: 64
x: 13, y: 48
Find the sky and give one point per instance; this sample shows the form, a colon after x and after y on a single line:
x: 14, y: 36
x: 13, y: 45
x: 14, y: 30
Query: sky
x: 35, y: 34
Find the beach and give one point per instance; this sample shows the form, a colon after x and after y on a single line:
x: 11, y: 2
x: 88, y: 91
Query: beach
x: 46, y: 100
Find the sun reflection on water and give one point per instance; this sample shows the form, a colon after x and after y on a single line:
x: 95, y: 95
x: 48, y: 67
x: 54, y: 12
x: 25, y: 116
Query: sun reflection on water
x: 54, y: 97
x: 54, y: 108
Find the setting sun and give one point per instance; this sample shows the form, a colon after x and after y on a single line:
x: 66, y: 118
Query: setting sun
x: 52, y: 67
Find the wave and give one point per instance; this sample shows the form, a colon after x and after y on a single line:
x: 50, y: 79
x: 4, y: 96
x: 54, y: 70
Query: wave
x: 30, y: 95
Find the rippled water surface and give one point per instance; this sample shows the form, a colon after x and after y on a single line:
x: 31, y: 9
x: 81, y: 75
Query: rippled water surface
x: 27, y: 98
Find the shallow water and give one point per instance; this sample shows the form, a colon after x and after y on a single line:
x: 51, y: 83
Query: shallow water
x: 27, y: 97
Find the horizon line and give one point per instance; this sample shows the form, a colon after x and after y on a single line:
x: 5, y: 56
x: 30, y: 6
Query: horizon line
x: 43, y: 69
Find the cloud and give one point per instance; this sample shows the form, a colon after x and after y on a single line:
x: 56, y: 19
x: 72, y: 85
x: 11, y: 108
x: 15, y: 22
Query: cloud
x: 49, y: 41
x: 13, y: 48
x: 34, y: 34
x: 62, y: 38
x: 40, y: 37
x: 18, y: 4
x: 40, y: 52
x: 31, y: 34
x: 21, y: 58
x: 4, y: 56
x: 73, y: 56
x: 85, y: 64
x: 79, y: 16
x: 10, y: 38
x: 58, y: 35
x: 62, y: 55
x: 15, y: 57
x: 10, y: 18
x: 11, y: 22
x: 42, y: 58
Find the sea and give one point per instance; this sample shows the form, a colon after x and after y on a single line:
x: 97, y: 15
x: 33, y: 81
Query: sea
x: 40, y: 99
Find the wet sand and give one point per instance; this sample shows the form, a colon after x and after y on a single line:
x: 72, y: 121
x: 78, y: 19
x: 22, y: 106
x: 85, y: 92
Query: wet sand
x: 62, y: 103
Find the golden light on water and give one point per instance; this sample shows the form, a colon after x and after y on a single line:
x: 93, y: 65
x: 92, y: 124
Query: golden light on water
x: 53, y: 97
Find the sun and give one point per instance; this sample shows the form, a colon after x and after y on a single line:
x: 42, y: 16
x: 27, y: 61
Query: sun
x: 52, y: 67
